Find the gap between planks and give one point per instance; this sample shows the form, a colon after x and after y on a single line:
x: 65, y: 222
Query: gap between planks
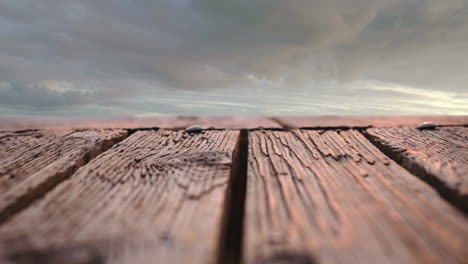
x: 230, y: 242
x: 446, y: 175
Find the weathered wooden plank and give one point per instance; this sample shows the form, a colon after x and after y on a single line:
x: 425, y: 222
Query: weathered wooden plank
x: 438, y: 156
x: 169, y: 122
x: 333, y: 197
x: 156, y: 197
x: 366, y: 121
x: 33, y: 162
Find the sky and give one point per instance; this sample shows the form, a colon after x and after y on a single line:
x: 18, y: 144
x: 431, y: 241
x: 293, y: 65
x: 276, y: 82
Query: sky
x: 224, y: 57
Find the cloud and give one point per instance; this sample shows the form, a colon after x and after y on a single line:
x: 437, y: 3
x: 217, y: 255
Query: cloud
x: 419, y: 43
x: 48, y: 94
x: 109, y: 51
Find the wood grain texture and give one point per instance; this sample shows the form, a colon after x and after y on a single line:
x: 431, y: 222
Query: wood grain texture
x: 293, y: 122
x: 11, y: 123
x: 438, y: 156
x: 33, y: 162
x: 156, y: 197
x: 332, y: 197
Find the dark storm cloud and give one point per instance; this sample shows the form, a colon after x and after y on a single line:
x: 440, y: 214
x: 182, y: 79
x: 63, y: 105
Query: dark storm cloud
x: 102, y: 50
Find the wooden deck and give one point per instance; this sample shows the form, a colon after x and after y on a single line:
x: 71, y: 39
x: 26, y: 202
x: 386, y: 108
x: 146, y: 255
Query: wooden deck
x: 244, y: 190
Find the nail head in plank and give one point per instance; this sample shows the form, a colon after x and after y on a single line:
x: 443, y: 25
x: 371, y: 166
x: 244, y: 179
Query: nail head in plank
x: 156, y: 197
x: 33, y: 162
x: 438, y: 156
x: 332, y: 197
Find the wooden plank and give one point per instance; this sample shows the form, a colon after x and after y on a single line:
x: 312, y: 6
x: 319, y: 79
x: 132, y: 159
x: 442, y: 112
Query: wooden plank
x: 332, y: 197
x: 293, y: 122
x: 11, y: 123
x: 438, y: 156
x: 156, y: 197
x: 33, y: 162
